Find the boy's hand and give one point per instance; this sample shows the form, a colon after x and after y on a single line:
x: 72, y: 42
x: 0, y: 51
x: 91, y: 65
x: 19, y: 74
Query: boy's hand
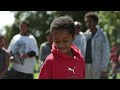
x: 24, y: 56
x: 11, y: 58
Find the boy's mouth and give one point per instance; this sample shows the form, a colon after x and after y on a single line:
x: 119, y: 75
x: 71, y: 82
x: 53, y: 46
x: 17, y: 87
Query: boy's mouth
x: 63, y: 48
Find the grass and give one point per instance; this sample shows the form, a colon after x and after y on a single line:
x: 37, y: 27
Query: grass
x: 118, y: 76
x: 36, y: 75
x: 36, y: 72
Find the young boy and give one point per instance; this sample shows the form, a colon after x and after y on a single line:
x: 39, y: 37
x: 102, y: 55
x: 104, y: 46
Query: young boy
x: 4, y: 61
x: 65, y: 60
x: 24, y: 49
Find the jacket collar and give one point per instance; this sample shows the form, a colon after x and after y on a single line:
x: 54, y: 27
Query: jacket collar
x: 88, y: 32
x: 57, y: 53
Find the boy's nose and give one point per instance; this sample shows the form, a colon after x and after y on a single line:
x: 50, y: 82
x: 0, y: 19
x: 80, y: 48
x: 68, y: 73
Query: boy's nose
x: 61, y: 45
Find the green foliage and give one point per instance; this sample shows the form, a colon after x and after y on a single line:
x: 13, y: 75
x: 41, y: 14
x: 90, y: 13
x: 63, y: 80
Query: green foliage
x: 11, y: 31
x: 40, y: 22
x: 109, y: 21
x: 76, y: 15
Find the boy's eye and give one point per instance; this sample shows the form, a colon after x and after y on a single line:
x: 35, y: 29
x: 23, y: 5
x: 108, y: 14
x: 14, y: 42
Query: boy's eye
x: 65, y: 40
x: 56, y: 41
x: 59, y: 41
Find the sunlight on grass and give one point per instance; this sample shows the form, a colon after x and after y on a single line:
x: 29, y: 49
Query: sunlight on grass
x: 36, y: 75
x: 118, y: 76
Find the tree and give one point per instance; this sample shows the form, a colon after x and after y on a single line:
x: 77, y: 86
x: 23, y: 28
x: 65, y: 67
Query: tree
x: 76, y: 15
x: 40, y: 22
x: 110, y: 20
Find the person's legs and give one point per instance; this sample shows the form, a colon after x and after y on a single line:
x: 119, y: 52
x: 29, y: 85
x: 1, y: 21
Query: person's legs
x: 29, y: 76
x: 112, y: 71
x: 116, y: 70
x: 21, y: 75
x: 12, y: 74
x: 114, y: 76
x: 88, y: 71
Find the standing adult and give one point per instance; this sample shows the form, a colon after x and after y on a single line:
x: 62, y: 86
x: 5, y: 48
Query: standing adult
x: 97, y: 48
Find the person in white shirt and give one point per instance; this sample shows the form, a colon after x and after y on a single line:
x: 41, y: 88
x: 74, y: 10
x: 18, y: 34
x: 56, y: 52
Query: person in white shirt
x: 23, y: 48
x: 79, y: 41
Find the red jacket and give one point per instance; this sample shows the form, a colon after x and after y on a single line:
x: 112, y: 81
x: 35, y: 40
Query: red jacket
x: 60, y: 66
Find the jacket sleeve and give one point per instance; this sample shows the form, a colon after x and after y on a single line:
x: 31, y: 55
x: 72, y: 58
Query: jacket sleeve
x: 84, y: 69
x: 83, y: 45
x: 42, y: 52
x: 105, y: 53
x: 82, y: 66
x: 45, y: 72
x: 33, y: 46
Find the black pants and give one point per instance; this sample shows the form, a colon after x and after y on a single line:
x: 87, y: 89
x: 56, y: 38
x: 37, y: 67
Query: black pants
x: 13, y: 74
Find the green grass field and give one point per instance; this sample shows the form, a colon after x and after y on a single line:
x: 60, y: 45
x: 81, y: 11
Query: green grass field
x: 37, y: 67
x: 118, y: 76
x: 36, y: 75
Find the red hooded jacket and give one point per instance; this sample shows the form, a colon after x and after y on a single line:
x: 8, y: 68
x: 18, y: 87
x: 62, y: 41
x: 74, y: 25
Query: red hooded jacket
x: 60, y: 66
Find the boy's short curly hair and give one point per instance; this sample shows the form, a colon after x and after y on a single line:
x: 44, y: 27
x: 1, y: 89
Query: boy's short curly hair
x: 26, y: 22
x: 63, y: 23
x: 92, y: 15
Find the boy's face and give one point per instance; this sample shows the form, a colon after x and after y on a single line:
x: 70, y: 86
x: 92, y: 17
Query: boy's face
x: 90, y: 23
x: 23, y: 28
x: 62, y: 40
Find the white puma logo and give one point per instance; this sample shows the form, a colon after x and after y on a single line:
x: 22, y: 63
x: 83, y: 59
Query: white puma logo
x: 73, y: 70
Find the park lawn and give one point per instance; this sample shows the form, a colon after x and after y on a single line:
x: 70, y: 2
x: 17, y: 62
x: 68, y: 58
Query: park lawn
x: 36, y: 72
x: 118, y: 76
x: 36, y: 75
